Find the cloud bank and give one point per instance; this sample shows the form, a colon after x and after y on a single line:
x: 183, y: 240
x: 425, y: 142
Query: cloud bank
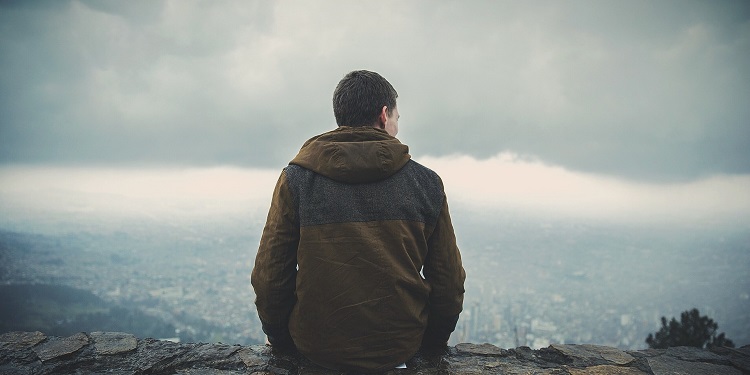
x: 504, y: 184
x: 507, y: 182
x: 638, y: 90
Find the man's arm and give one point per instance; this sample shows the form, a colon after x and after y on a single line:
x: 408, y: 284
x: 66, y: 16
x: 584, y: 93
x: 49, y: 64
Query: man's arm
x: 275, y: 271
x: 445, y: 273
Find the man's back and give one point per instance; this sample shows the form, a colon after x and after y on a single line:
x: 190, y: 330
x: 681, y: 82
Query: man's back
x: 358, y: 262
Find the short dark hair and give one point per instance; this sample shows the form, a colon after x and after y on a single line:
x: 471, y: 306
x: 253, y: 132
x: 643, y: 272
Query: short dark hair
x: 360, y: 96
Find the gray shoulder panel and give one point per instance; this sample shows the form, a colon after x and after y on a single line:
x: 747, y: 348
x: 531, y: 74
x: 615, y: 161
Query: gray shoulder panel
x: 414, y: 193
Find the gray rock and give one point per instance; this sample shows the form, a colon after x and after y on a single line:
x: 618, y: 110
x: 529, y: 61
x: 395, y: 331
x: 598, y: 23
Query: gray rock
x: 740, y: 358
x: 209, y: 371
x: 595, y: 353
x: 525, y: 353
x: 112, y: 353
x: 667, y: 365
x: 606, y: 369
x: 251, y: 358
x: 482, y: 349
x: 689, y: 353
x: 57, y: 347
x: 21, y: 339
x: 213, y: 355
x: 154, y: 356
x: 107, y: 343
x: 647, y: 353
x: 742, y: 363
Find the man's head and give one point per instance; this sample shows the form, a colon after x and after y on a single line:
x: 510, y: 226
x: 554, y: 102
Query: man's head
x: 364, y: 98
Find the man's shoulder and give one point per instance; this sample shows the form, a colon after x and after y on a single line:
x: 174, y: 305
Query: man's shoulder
x: 294, y: 171
x: 422, y: 170
x: 293, y: 168
x: 297, y: 177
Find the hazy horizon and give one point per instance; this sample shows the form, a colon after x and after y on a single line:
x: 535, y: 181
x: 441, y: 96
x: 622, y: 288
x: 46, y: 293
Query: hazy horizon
x: 504, y: 183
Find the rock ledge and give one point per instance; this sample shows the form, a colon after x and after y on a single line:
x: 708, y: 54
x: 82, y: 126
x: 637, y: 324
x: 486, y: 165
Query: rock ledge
x: 121, y: 353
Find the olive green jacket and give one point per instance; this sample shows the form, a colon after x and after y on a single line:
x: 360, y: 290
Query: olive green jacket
x: 358, y: 260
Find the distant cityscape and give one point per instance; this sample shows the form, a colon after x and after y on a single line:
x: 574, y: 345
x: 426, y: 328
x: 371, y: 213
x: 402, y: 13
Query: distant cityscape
x: 530, y: 283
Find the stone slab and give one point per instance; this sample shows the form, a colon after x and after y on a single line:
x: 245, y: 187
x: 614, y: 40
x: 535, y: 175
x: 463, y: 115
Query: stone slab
x: 250, y: 358
x: 667, y: 365
x: 606, y: 370
x: 481, y: 349
x: 155, y: 356
x: 204, y: 352
x: 108, y: 343
x: 740, y: 358
x: 209, y: 371
x: 59, y: 347
x: 689, y: 353
x: 593, y: 352
x: 22, y: 339
x: 646, y: 353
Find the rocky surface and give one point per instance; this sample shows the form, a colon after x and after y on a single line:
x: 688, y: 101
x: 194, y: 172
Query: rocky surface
x: 121, y: 353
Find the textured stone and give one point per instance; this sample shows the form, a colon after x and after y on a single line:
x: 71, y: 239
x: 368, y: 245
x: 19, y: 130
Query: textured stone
x: 482, y: 349
x: 525, y: 353
x: 57, y: 347
x: 742, y: 363
x: 82, y: 354
x: 209, y: 371
x: 22, y: 339
x: 107, y: 343
x: 594, y: 353
x: 251, y: 358
x: 647, y: 353
x: 509, y: 369
x: 606, y: 370
x: 689, y: 353
x: 667, y: 365
x: 156, y: 356
x: 218, y: 355
x: 740, y: 358
x: 458, y: 362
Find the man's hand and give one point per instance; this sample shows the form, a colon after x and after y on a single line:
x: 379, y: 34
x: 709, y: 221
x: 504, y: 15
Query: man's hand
x: 431, y: 348
x: 435, y: 339
x: 281, y: 344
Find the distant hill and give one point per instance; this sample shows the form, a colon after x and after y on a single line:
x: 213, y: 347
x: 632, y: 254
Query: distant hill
x: 62, y: 311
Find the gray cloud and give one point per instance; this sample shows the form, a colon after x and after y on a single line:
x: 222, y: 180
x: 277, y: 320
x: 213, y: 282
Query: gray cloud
x: 635, y: 89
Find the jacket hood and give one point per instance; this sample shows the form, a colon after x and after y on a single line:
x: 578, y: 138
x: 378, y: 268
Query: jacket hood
x: 353, y: 155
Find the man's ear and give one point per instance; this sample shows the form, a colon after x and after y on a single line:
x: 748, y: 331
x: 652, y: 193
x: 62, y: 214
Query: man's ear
x: 383, y: 117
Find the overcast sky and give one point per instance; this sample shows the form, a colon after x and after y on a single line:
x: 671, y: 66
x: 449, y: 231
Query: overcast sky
x: 641, y: 90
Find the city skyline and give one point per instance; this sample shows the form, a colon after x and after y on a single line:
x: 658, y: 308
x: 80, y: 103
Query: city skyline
x: 530, y: 281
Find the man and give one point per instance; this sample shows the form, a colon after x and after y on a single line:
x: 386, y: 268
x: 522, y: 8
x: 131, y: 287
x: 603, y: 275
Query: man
x: 358, y: 266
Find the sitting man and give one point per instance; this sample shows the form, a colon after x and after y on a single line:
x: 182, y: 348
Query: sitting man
x: 358, y: 266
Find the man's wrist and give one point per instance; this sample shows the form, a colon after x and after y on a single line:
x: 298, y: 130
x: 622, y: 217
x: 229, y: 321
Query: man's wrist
x: 433, y: 347
x: 278, y: 336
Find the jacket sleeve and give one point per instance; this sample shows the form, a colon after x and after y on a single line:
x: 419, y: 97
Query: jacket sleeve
x: 274, y: 275
x: 445, y: 273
